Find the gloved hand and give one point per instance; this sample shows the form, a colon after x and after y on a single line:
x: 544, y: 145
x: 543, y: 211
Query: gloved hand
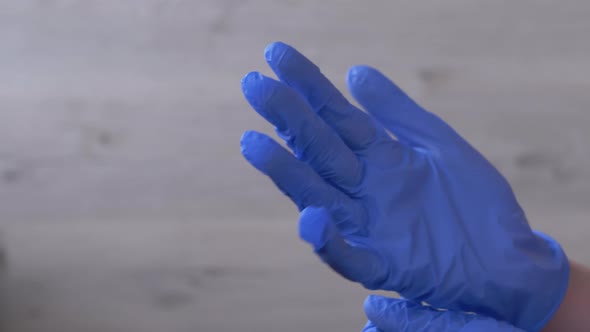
x: 394, y: 315
x: 424, y: 214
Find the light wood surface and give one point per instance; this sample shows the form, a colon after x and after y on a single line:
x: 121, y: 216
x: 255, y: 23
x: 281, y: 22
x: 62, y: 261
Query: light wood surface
x: 126, y: 206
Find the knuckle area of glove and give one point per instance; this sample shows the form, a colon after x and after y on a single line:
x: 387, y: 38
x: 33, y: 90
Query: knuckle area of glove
x: 313, y: 194
x: 377, y: 278
x: 310, y: 146
x: 305, y: 142
x: 350, y: 220
x: 356, y: 128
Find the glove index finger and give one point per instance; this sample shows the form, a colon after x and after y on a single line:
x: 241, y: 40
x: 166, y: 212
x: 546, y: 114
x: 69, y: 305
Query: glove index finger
x: 397, y: 112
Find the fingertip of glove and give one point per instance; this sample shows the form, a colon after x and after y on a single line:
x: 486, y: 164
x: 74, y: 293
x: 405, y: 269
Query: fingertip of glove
x: 314, y: 224
x: 370, y: 327
x: 257, y: 149
x: 247, y: 136
x: 374, y: 305
x: 247, y: 143
x: 274, y: 51
x: 365, y: 81
x: 358, y: 75
x: 251, y: 77
x: 257, y: 89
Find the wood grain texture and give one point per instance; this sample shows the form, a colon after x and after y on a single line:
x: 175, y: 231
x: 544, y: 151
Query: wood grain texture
x: 126, y: 206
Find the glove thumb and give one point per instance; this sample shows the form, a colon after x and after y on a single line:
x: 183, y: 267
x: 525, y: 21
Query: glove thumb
x: 393, y: 315
x: 354, y: 263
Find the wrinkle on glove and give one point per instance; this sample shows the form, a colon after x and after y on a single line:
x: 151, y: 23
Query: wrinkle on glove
x: 397, y: 315
x: 424, y: 214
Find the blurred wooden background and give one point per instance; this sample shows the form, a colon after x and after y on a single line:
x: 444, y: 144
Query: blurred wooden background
x: 126, y: 206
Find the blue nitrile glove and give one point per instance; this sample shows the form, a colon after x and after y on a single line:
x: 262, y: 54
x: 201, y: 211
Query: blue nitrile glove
x: 395, y: 315
x: 424, y: 215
